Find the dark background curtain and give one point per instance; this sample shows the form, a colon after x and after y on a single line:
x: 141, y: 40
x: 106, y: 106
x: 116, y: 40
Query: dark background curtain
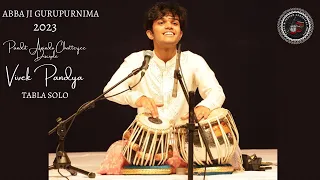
x: 238, y: 39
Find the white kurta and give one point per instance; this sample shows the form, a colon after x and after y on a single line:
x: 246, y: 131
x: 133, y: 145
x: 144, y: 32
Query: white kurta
x: 158, y: 84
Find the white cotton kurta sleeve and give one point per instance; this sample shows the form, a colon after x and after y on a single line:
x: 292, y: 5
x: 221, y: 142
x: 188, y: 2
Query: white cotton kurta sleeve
x: 208, y: 86
x: 129, y: 97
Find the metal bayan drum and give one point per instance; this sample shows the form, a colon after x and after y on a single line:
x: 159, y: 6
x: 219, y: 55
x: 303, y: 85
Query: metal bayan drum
x: 222, y: 136
x: 148, y: 141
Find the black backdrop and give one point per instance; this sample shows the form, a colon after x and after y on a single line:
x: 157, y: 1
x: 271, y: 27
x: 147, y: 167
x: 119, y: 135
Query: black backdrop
x: 239, y: 40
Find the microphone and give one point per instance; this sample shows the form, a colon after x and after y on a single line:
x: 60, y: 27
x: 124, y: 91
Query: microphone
x: 175, y: 83
x: 147, y: 56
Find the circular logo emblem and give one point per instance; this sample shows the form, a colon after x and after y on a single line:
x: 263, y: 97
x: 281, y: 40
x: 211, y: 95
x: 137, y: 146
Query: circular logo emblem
x: 295, y: 26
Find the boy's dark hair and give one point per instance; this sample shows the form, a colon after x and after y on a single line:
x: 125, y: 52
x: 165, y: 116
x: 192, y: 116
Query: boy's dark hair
x: 161, y: 9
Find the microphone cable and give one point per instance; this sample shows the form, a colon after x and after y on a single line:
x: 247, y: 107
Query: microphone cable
x: 130, y: 88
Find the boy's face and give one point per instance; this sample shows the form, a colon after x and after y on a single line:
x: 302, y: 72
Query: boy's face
x: 166, y: 31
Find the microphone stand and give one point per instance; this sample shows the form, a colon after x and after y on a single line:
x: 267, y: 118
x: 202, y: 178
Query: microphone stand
x: 62, y: 160
x: 191, y: 126
x: 191, y: 129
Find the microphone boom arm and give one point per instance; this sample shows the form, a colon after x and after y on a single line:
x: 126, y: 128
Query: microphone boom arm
x: 88, y: 105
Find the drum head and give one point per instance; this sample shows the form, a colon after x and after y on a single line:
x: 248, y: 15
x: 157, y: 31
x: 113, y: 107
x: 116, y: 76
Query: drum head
x: 146, y: 119
x: 216, y: 114
x: 219, y: 113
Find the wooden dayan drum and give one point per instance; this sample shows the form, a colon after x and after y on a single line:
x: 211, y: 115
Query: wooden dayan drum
x: 148, y: 141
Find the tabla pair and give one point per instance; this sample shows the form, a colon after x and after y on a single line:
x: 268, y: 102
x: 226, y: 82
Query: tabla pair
x: 150, y: 140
